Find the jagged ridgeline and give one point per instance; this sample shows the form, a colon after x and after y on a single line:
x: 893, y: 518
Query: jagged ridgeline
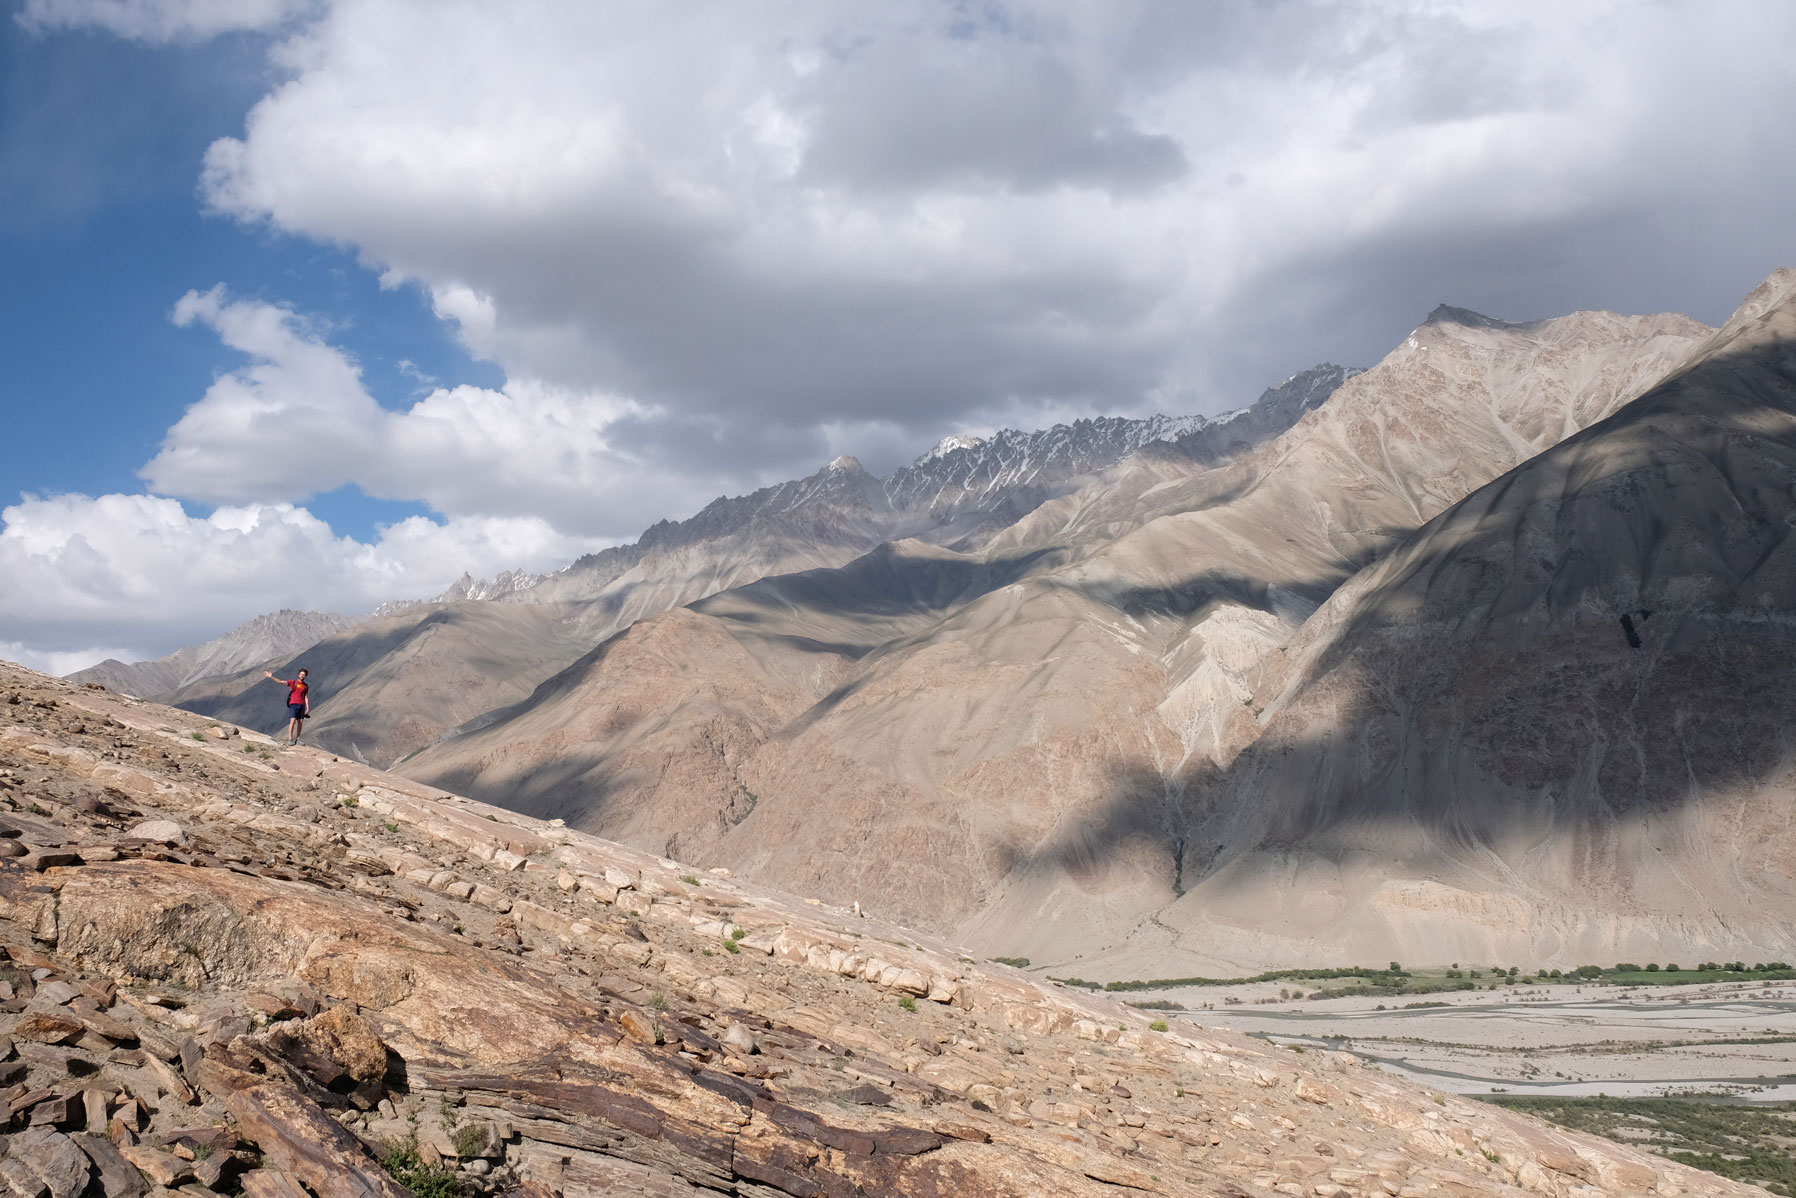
x: 416, y: 670
x: 1344, y: 678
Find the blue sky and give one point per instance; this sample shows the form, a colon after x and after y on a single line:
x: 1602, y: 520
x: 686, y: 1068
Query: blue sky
x: 319, y: 303
x: 100, y: 147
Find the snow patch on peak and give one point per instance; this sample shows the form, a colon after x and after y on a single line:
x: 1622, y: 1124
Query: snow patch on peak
x: 846, y: 462
x: 948, y: 445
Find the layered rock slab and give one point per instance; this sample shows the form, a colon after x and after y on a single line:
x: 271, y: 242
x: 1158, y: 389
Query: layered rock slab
x: 335, y: 961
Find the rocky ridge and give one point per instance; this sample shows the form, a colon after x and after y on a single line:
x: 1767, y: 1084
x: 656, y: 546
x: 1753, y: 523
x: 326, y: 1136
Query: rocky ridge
x: 407, y: 674
x: 956, y: 494
x: 229, y: 969
x: 1015, y: 746
x: 269, y: 636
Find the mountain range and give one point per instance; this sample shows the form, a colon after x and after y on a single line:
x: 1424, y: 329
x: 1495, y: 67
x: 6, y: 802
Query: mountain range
x: 1480, y: 653
x: 415, y: 670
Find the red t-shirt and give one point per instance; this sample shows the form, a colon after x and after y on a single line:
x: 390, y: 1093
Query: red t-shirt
x: 296, y: 691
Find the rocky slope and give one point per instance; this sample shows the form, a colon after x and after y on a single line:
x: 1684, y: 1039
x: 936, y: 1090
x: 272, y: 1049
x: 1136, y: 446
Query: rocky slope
x: 232, y: 970
x: 264, y: 638
x: 1018, y: 762
x: 964, y: 490
x: 1562, y: 708
x: 388, y: 686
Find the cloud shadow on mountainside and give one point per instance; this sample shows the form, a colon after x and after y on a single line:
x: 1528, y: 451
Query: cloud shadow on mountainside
x: 1483, y: 696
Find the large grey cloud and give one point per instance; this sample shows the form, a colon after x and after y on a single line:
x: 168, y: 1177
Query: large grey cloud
x: 922, y: 214
x: 713, y: 244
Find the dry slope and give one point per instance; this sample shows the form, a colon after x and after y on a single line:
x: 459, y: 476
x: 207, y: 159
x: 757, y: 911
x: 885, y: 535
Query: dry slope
x: 1015, y: 762
x: 1555, y: 724
x: 233, y: 971
x: 386, y: 687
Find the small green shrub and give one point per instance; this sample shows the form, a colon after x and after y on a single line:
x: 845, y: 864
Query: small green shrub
x: 1159, y: 1025
x: 907, y: 1003
x: 689, y: 879
x: 1013, y: 962
x: 198, y: 736
x: 403, y: 1165
x: 470, y: 1140
x: 738, y: 933
x: 658, y: 1001
x: 731, y: 946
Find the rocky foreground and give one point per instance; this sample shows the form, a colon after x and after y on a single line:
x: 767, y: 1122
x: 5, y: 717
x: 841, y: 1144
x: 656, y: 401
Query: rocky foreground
x: 230, y: 968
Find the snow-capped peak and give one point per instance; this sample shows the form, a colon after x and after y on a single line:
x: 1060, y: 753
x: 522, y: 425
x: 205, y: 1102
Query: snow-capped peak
x: 948, y: 445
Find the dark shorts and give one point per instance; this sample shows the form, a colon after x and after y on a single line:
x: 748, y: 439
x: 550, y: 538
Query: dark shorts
x: 296, y: 711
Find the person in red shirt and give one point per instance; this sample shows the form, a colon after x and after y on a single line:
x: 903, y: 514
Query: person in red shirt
x: 299, y: 702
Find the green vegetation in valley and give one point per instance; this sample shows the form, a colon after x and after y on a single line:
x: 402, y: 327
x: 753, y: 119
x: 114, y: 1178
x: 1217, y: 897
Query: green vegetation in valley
x: 1746, y: 1143
x: 1394, y: 979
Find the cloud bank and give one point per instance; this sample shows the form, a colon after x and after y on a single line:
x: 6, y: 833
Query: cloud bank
x: 710, y: 245
x: 74, y: 567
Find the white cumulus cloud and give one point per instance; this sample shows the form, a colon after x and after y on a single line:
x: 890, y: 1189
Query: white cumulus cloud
x: 710, y: 245
x: 921, y: 211
x: 77, y: 570
x: 296, y: 421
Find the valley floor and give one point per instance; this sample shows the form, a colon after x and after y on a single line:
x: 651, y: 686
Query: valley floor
x: 1736, y: 1039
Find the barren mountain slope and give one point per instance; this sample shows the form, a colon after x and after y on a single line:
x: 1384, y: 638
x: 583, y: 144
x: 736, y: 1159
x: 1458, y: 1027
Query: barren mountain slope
x: 646, y: 735
x: 247, y: 972
x: 1013, y: 764
x: 387, y: 687
x: 266, y: 637
x: 1465, y: 758
x: 963, y: 490
x: 1464, y: 398
x: 966, y: 489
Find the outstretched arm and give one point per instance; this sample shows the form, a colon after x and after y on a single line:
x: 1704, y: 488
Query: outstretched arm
x: 282, y: 681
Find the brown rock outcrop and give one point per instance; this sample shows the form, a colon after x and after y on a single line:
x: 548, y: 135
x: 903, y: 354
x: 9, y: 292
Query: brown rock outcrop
x: 825, y: 1054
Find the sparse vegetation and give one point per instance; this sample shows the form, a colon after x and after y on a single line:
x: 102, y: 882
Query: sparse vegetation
x: 731, y: 946
x: 907, y: 1003
x: 1013, y: 962
x: 1746, y: 1143
x: 1159, y: 1025
x: 198, y: 735
x: 689, y: 879
x: 470, y: 1140
x: 658, y: 1001
x: 403, y: 1165
x: 738, y: 933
